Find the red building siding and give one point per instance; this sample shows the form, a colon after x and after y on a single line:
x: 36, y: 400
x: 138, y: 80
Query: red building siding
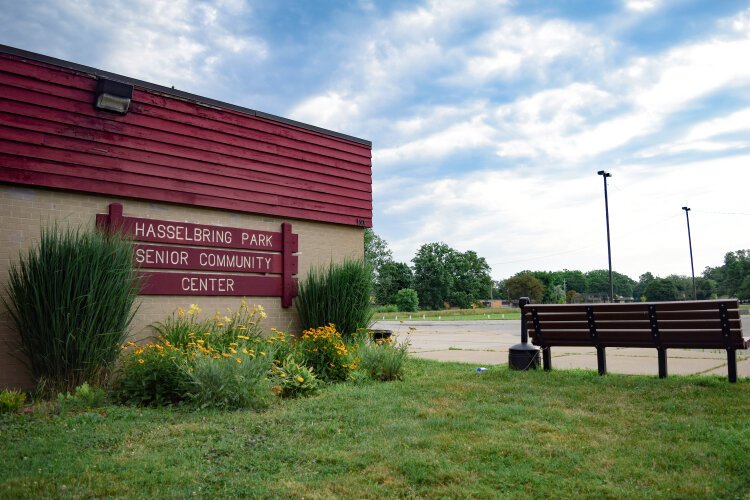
x: 173, y: 147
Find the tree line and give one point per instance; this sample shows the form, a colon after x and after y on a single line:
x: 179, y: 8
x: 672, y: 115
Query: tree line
x: 732, y: 279
x: 441, y: 276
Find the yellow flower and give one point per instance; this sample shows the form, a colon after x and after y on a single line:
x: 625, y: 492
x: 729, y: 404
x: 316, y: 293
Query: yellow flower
x: 238, y: 360
x: 300, y: 379
x: 141, y: 361
x: 243, y: 337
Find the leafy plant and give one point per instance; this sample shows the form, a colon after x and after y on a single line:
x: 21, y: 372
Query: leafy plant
x: 339, y: 294
x: 11, y: 401
x: 152, y: 374
x: 71, y: 300
x: 294, y: 379
x: 384, y: 360
x: 184, y: 327
x: 325, y: 351
x: 231, y: 381
x: 84, y: 396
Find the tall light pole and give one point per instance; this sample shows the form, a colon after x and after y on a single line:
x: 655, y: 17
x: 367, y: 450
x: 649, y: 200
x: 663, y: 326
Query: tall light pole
x: 690, y: 242
x: 609, y: 246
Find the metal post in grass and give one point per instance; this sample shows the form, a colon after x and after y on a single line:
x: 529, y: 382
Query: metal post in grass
x: 524, y: 355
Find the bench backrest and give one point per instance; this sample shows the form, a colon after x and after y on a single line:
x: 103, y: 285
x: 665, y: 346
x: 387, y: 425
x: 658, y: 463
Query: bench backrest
x: 712, y: 324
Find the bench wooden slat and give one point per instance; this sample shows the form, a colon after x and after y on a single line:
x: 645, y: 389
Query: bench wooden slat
x: 662, y: 315
x: 699, y: 305
x: 631, y: 324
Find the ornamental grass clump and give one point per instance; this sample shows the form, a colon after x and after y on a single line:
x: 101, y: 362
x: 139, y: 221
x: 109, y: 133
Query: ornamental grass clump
x: 71, y: 300
x: 339, y: 294
x: 11, y: 401
x: 383, y: 359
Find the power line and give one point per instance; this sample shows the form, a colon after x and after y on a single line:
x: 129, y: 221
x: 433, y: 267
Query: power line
x: 723, y: 213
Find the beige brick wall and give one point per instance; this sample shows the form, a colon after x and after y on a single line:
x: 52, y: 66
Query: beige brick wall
x: 23, y: 210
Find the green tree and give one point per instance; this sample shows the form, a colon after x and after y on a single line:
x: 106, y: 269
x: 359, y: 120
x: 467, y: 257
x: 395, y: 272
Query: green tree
x: 441, y: 274
x: 524, y: 284
x: 639, y: 290
x: 744, y: 290
x: 377, y: 252
x: 433, y: 279
x: 598, y: 283
x: 471, y: 279
x: 730, y: 276
x: 406, y: 300
x: 706, y: 289
x: 393, y: 276
x: 661, y: 289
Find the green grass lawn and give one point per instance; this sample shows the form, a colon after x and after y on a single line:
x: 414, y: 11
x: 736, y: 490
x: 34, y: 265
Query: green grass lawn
x: 445, y: 431
x: 450, y: 314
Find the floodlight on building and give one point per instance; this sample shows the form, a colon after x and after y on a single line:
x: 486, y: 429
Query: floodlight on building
x: 113, y: 96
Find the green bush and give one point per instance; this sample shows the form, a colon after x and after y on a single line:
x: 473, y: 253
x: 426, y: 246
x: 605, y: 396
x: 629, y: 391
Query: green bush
x: 325, y: 351
x: 383, y: 360
x: 11, y: 401
x: 339, y: 295
x: 153, y: 374
x: 231, y: 381
x: 294, y: 379
x: 71, y: 300
x: 84, y: 396
x: 407, y: 300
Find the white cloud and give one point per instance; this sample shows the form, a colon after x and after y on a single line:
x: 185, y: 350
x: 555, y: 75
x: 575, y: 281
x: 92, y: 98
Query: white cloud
x: 522, y: 44
x: 641, y: 5
x: 525, y: 219
x: 169, y: 42
x: 331, y: 110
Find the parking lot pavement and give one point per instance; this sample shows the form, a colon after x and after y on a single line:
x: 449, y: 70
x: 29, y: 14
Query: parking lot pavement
x: 486, y: 342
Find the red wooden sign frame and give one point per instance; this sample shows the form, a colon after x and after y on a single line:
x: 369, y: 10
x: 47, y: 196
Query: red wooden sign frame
x: 200, y: 247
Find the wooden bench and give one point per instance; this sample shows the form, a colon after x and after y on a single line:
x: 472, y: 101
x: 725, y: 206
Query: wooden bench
x: 706, y: 324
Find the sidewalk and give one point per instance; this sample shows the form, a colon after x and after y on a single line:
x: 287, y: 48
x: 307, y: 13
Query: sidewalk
x: 486, y: 343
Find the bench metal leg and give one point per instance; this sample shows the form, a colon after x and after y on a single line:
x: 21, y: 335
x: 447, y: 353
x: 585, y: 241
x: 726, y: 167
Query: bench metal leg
x: 732, y: 364
x: 662, y: 362
x: 547, y: 358
x: 601, y: 360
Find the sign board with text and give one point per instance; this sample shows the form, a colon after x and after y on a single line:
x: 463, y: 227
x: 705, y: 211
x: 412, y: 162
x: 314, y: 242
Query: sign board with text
x: 231, y: 261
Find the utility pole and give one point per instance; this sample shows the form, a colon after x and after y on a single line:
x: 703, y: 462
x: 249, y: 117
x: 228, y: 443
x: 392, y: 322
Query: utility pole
x: 609, y: 246
x: 690, y: 242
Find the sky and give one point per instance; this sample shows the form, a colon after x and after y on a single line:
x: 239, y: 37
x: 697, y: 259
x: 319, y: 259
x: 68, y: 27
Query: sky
x: 489, y: 119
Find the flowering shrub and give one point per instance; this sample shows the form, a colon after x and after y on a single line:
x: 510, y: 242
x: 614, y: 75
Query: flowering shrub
x: 152, y: 374
x: 231, y: 381
x: 294, y: 379
x: 326, y: 353
x: 223, y: 361
x: 184, y: 326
